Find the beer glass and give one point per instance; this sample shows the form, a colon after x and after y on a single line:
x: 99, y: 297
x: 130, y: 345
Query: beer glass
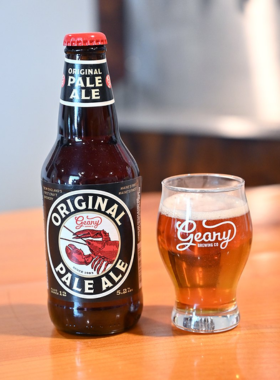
x: 204, y: 237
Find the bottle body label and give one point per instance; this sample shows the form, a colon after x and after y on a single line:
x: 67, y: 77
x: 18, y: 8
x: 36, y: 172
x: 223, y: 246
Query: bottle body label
x: 93, y: 240
x: 86, y: 84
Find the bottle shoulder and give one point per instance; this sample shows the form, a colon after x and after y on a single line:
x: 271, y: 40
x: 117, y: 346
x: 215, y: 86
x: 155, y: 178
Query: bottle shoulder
x: 89, y: 162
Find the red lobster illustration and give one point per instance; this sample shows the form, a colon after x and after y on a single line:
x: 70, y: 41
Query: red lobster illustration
x: 102, y: 251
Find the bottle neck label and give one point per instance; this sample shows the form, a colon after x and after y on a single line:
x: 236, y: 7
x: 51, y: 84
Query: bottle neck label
x: 86, y: 84
x: 93, y: 240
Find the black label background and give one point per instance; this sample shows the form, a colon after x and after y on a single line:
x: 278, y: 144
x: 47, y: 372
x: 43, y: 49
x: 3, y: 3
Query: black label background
x: 106, y: 93
x: 130, y: 199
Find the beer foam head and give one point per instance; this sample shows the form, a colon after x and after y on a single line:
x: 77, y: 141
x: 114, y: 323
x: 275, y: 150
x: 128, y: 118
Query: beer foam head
x: 201, y: 206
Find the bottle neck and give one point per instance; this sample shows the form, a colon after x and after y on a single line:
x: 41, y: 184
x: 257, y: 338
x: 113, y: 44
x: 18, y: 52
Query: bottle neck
x: 87, y: 108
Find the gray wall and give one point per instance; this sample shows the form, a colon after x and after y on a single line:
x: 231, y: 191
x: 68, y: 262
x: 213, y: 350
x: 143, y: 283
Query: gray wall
x: 209, y: 57
x: 31, y: 66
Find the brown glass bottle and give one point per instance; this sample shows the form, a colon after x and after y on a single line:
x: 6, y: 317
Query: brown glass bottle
x: 89, y: 153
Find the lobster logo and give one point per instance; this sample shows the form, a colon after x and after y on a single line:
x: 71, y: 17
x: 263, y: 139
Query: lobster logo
x: 103, y: 251
x: 89, y: 251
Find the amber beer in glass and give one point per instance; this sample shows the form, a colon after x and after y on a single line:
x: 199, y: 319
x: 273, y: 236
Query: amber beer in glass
x: 204, y: 237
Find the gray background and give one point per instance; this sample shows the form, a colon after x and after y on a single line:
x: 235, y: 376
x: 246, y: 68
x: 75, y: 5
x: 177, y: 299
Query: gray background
x: 32, y: 59
x: 214, y: 63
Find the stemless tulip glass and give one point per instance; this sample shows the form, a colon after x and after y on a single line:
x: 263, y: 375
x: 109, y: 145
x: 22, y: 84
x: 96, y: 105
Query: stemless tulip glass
x: 204, y: 237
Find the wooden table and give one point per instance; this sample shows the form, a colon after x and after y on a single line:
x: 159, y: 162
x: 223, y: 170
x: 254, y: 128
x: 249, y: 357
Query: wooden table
x: 31, y: 348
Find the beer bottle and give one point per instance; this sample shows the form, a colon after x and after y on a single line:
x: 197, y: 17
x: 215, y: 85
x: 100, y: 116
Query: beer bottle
x: 91, y: 198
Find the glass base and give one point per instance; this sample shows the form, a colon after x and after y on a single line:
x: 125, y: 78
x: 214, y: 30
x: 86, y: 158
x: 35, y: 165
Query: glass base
x: 204, y: 323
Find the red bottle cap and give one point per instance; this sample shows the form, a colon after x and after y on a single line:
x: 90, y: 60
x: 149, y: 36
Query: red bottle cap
x: 85, y: 39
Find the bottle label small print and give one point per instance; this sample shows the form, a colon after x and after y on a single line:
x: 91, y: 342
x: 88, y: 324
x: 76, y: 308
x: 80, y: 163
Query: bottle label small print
x: 86, y: 84
x: 93, y: 240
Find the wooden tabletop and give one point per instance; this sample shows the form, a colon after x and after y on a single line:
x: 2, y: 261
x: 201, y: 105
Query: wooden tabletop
x: 31, y: 348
